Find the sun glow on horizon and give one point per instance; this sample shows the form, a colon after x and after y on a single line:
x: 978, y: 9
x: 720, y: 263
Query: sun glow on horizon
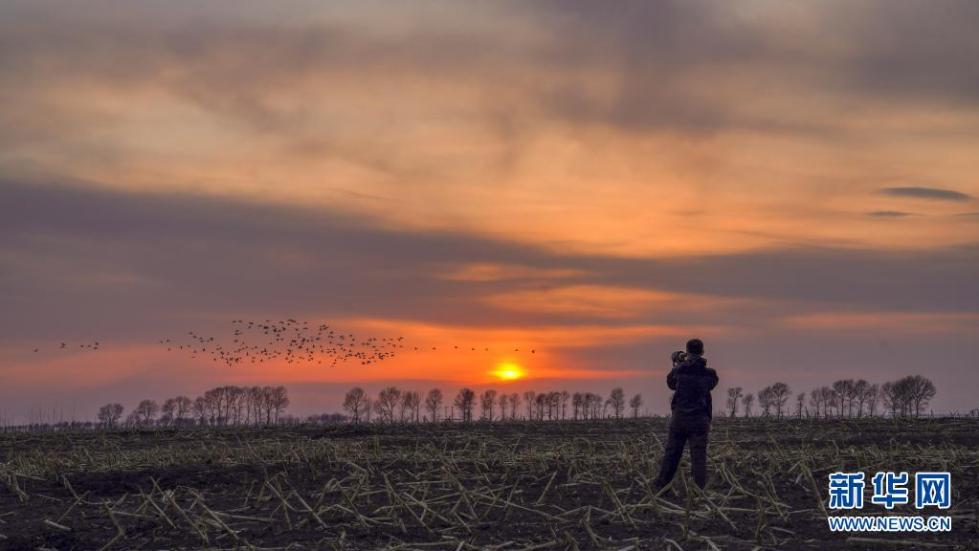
x: 508, y: 371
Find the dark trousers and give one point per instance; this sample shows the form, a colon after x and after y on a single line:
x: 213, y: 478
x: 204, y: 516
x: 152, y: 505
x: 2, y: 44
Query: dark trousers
x: 682, y: 430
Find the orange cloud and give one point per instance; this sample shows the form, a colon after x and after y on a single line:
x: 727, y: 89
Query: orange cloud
x: 907, y: 322
x: 500, y: 272
x: 602, y: 301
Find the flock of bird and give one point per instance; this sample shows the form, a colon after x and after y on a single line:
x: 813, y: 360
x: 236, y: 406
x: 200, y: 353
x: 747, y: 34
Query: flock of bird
x: 289, y: 340
x: 292, y: 341
x: 66, y: 346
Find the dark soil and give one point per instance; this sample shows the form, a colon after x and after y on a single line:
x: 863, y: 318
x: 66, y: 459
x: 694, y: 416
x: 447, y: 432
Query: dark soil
x: 450, y: 486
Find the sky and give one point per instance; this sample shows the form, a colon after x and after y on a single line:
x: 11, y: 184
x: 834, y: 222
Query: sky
x: 794, y: 183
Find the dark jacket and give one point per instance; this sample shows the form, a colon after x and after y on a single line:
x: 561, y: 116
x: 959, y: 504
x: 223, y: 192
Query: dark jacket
x: 692, y: 380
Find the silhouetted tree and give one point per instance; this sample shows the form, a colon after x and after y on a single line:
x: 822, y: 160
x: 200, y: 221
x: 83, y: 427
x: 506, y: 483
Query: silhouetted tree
x: 860, y: 395
x: 530, y: 398
x: 871, y: 399
x: 110, y: 414
x: 891, y: 396
x: 280, y: 401
x: 433, y: 401
x: 199, y: 410
x: 354, y: 402
x: 387, y: 401
x: 514, y: 404
x: 780, y: 395
x: 747, y: 402
x: 577, y: 403
x: 843, y: 389
x: 816, y: 401
x: 146, y: 411
x: 635, y: 403
x: 616, y: 400
x: 765, y: 400
x: 465, y: 400
x: 410, y: 405
x: 920, y: 391
x: 733, y: 397
x: 175, y: 410
x: 486, y: 402
x: 540, y: 405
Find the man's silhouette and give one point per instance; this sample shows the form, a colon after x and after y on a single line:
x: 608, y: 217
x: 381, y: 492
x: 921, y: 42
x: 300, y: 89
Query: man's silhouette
x: 692, y: 380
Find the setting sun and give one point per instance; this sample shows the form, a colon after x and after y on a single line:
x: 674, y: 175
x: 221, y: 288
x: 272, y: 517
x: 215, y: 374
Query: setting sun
x: 508, y: 371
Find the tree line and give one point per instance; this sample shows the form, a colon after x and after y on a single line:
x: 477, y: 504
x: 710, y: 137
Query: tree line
x: 393, y: 404
x: 266, y: 405
x: 904, y: 397
x: 219, y: 406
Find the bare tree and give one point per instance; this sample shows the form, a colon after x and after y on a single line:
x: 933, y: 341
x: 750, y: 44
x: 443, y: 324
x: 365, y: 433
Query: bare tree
x: 280, y: 401
x: 387, y: 401
x: 593, y: 405
x: 433, y: 401
x: 747, y: 402
x: 616, y: 400
x: 635, y: 403
x: 132, y: 420
x: 540, y: 405
x: 530, y: 398
x: 765, y: 400
x: 110, y: 414
x: 200, y: 410
x: 780, y: 395
x: 503, y: 400
x: 860, y: 395
x: 167, y: 412
x: 410, y: 405
x: 871, y: 399
x: 891, y: 396
x: 234, y: 403
x: 920, y: 391
x: 553, y: 404
x: 844, y: 394
x: 486, y: 402
x: 815, y: 401
x: 256, y: 399
x: 800, y: 400
x: 514, y: 404
x: 577, y: 403
x: 354, y: 402
x: 184, y: 406
x: 465, y: 400
x: 146, y: 411
x: 733, y: 397
x: 564, y: 396
x: 175, y: 410
x: 831, y: 399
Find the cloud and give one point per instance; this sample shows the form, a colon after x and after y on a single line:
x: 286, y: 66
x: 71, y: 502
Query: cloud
x: 891, y: 322
x: 309, y: 160
x: 129, y: 268
x: 109, y: 257
x: 889, y: 214
x: 918, y: 192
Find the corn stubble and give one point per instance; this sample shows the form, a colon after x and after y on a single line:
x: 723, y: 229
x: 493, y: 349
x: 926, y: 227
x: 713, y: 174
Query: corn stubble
x: 512, y: 486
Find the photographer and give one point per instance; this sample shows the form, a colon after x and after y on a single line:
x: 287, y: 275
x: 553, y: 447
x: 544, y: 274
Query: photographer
x: 691, y: 405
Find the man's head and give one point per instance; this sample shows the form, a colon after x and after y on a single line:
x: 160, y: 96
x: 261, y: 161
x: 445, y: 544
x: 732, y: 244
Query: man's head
x: 695, y: 346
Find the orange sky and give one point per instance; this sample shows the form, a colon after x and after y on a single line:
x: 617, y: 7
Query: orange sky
x: 794, y: 183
